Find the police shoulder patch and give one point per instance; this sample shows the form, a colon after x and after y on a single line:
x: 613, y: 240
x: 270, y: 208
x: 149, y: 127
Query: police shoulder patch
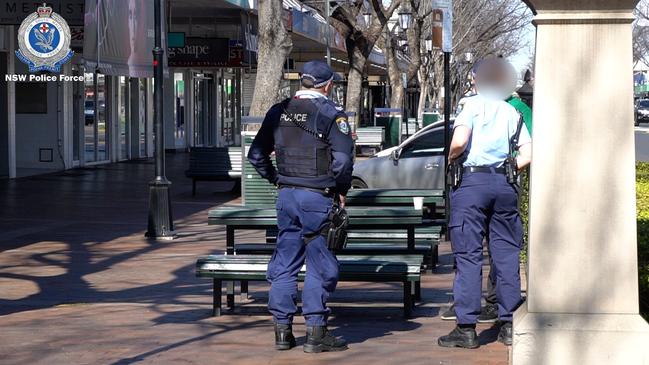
x: 342, y: 124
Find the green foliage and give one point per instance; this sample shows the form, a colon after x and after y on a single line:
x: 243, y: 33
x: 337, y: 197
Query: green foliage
x: 524, y: 209
x: 642, y: 194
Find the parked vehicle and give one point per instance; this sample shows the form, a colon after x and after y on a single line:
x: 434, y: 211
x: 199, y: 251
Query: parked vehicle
x: 89, y: 111
x: 417, y: 163
x: 641, y: 111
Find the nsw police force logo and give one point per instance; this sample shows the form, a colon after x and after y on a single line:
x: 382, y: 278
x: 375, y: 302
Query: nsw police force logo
x: 44, y: 41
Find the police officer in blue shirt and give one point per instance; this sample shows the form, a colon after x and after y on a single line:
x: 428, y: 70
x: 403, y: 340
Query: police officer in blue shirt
x: 485, y: 203
x: 311, y: 139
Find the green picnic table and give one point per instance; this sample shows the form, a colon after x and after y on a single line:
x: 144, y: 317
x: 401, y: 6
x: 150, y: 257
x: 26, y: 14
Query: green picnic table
x: 388, y: 218
x: 237, y: 218
x: 393, y: 197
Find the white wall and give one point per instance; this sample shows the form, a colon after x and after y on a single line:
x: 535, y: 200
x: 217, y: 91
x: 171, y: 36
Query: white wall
x: 35, y: 131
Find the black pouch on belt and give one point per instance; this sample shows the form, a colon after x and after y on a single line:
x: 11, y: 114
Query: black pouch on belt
x: 336, y: 232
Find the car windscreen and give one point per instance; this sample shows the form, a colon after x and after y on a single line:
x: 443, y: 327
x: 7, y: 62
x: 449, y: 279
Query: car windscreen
x: 643, y: 104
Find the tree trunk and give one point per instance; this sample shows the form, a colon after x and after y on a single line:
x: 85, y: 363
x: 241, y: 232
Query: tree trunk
x: 396, y: 81
x: 423, y: 96
x: 360, y: 40
x: 274, y: 45
x: 355, y: 80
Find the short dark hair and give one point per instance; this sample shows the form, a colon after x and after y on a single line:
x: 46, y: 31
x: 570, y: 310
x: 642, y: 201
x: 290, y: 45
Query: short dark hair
x: 307, y: 83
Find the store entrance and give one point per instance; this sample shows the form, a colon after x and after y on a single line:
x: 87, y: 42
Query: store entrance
x: 204, y: 127
x: 230, y: 106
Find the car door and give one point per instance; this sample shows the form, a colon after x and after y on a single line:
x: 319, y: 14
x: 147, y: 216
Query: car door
x: 421, y: 163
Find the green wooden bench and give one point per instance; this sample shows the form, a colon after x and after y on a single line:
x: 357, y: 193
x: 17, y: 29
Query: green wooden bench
x: 365, y: 268
x: 426, y: 242
x: 376, y: 241
x: 214, y: 164
x: 395, y: 197
x: 237, y: 218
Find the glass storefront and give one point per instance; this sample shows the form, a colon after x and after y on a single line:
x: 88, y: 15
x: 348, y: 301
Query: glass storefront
x: 204, y: 121
x: 95, y: 132
x: 123, y: 116
x: 230, y: 106
x: 143, y: 117
x: 77, y: 113
x: 179, y: 110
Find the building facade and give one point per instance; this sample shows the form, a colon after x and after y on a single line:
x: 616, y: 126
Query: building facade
x: 209, y: 82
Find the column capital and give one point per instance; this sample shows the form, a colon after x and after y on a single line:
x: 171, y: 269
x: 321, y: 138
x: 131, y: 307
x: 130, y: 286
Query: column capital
x: 581, y: 5
x: 582, y: 11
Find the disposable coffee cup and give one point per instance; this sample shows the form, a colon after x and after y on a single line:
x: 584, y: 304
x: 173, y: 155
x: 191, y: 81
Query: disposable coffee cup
x: 418, y: 202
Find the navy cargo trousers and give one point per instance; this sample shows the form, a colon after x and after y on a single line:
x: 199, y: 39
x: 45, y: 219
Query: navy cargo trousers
x: 485, y: 203
x: 301, y: 213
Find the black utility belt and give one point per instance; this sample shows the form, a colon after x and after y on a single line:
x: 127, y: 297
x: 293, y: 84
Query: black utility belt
x: 328, y: 192
x: 484, y: 169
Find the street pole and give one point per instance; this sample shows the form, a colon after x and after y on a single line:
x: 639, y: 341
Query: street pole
x: 447, y: 133
x: 160, y: 225
x: 327, y: 12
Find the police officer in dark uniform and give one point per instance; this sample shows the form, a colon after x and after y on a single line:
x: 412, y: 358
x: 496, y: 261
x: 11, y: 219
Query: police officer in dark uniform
x: 312, y: 142
x: 486, y: 203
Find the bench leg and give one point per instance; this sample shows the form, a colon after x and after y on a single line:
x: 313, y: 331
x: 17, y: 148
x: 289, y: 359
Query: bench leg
x: 244, y: 289
x: 193, y: 187
x: 230, y: 295
x: 216, y: 298
x: 435, y: 258
x: 407, y: 299
x: 417, y: 291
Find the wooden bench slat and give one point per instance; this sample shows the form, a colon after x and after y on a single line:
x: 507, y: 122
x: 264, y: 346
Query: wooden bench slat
x: 214, y: 164
x: 401, y: 268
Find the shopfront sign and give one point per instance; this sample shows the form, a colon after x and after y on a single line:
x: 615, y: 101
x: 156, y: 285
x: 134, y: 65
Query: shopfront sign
x: 13, y: 12
x: 207, y: 52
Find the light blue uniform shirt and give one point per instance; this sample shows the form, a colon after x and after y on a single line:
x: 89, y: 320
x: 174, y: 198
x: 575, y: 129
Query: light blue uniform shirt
x: 492, y: 124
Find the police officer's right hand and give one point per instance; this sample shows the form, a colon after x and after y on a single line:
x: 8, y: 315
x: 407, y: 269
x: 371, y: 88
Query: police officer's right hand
x: 342, y: 200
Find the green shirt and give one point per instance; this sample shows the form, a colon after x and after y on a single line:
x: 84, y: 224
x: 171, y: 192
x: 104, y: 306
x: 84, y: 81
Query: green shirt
x: 522, y: 108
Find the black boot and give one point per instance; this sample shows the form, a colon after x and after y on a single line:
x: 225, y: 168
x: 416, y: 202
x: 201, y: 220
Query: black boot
x: 505, y: 334
x: 318, y: 339
x: 489, y: 313
x: 284, y: 339
x: 460, y: 337
x: 449, y: 314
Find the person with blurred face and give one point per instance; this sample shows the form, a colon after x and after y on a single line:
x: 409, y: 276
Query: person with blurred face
x: 485, y: 203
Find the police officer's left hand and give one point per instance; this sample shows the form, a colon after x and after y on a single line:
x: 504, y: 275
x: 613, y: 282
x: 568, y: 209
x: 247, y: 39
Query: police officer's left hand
x: 342, y: 199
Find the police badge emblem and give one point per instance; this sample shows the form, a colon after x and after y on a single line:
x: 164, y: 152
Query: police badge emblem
x: 44, y: 41
x: 343, y: 126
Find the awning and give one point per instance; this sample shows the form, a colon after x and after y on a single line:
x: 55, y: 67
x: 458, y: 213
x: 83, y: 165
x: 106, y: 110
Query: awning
x: 124, y: 43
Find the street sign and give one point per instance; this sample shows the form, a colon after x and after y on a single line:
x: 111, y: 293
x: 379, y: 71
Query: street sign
x: 443, y: 9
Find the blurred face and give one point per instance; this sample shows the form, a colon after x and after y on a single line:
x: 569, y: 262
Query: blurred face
x: 496, y: 79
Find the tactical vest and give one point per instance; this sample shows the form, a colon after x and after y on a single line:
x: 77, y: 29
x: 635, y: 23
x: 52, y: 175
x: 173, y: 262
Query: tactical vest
x: 300, y: 148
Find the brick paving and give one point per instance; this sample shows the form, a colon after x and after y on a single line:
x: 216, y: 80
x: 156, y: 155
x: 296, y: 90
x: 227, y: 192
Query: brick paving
x: 79, y: 284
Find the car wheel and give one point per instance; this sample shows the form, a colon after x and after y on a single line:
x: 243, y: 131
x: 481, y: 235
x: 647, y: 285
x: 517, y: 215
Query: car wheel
x: 637, y: 124
x: 358, y: 184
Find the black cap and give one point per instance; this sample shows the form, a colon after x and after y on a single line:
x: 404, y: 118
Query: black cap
x: 319, y: 73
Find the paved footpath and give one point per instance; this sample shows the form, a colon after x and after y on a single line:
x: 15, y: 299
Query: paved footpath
x: 79, y: 284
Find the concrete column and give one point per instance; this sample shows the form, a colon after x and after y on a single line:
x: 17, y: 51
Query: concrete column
x: 582, y: 305
x: 134, y: 118
x: 68, y: 108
